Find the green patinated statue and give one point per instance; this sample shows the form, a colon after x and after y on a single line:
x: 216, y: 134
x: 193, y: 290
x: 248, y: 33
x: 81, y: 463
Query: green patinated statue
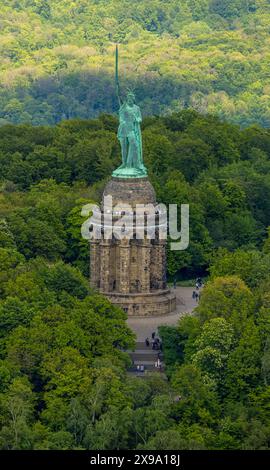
x: 129, y: 135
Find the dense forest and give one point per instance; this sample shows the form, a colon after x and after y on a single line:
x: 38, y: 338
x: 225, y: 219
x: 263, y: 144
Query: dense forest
x: 57, y: 58
x: 63, y: 379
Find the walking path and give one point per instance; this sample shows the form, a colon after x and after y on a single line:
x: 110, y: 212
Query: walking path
x: 143, y: 356
x: 143, y: 327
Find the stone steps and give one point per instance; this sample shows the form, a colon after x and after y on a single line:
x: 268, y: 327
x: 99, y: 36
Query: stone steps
x: 145, y: 362
x: 143, y: 356
x: 143, y: 375
x: 141, y: 346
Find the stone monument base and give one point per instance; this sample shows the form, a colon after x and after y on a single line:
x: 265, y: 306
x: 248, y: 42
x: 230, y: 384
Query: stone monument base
x: 162, y: 302
x: 131, y: 272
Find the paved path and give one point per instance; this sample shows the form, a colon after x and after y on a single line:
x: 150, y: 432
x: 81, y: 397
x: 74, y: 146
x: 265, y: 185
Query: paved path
x: 144, y: 327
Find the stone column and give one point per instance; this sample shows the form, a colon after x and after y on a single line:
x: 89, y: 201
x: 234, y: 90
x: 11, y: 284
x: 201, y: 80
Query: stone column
x: 105, y: 266
x: 144, y: 264
x: 160, y: 264
x: 94, y: 263
x: 163, y: 257
x: 124, y: 266
x: 155, y: 273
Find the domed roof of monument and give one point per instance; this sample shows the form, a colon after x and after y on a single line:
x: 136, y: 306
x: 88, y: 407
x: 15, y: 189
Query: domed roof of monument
x: 130, y: 191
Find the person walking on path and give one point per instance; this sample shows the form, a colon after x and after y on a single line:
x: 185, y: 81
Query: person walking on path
x: 147, y: 342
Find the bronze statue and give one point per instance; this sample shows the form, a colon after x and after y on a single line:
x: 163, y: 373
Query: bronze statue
x: 129, y: 135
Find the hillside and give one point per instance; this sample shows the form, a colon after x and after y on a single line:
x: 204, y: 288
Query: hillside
x: 63, y: 380
x: 57, y: 57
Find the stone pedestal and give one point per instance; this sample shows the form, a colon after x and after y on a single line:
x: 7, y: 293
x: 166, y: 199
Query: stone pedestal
x: 124, y: 261
x: 131, y: 272
x: 104, y: 263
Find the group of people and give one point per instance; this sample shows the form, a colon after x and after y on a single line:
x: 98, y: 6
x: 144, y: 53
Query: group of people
x: 156, y: 345
x: 155, y: 342
x: 158, y: 364
x: 196, y: 294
